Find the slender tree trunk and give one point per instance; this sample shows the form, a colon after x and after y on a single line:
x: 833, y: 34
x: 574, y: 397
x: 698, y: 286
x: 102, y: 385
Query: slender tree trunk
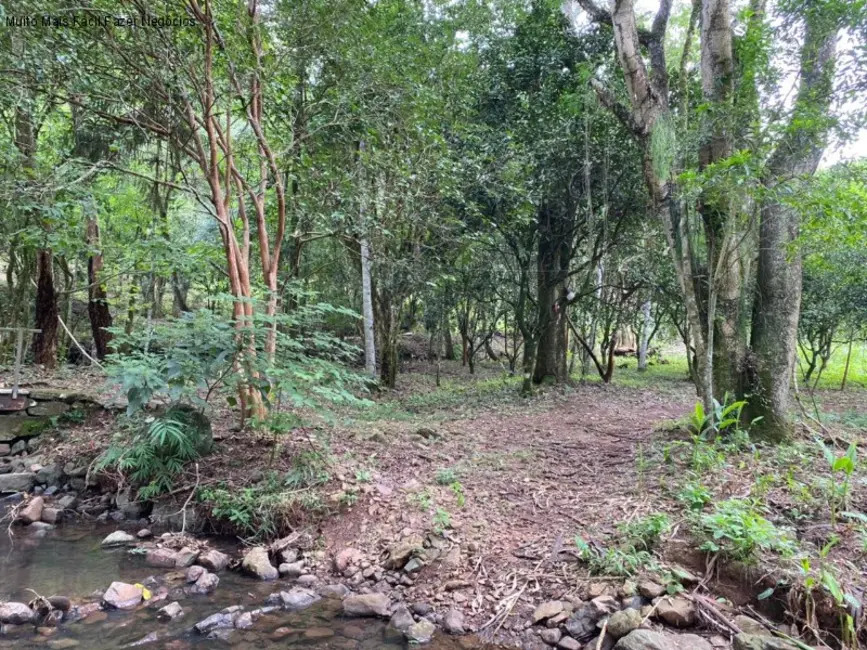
x: 97, y: 305
x: 646, y: 327
x: 447, y: 336
x: 45, y: 342
x: 366, y: 289
x: 778, y: 301
x: 367, y: 310
x: 553, y: 260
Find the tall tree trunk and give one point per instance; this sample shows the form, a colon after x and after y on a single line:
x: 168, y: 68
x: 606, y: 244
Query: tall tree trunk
x: 778, y: 302
x: 366, y: 289
x: 45, y: 342
x: 447, y: 336
x: 97, y: 305
x: 553, y: 261
x: 644, y: 343
x: 367, y: 310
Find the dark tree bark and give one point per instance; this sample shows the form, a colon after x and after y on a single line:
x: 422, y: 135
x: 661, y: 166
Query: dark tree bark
x: 778, y: 301
x: 97, y: 306
x: 556, y: 226
x: 45, y: 342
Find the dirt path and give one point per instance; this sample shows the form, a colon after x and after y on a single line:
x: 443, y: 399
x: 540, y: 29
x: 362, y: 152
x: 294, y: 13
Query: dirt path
x: 532, y: 476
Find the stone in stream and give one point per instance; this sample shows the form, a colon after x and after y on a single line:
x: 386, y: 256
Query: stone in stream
x: 291, y: 570
x: 337, y: 591
x: 119, y: 538
x: 32, y: 511
x: 161, y: 558
x: 375, y: 604
x: 153, y: 637
x: 213, y: 560
x: 401, y: 619
x: 297, y: 598
x: 205, y: 583
x: 257, y: 563
x: 224, y: 619
x: 421, y: 632
x: 568, y: 643
x: 60, y: 603
x: 194, y: 573
x: 16, y: 614
x: 170, y: 612
x: 121, y: 595
x: 186, y: 557
x: 17, y: 482
x: 52, y: 515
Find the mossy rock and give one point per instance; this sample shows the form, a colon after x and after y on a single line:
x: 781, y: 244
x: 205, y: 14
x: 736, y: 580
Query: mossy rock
x: 13, y: 427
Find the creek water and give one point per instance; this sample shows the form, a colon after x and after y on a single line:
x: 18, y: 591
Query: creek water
x: 69, y: 561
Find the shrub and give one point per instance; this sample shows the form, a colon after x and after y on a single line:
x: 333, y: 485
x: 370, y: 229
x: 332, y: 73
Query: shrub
x: 737, y: 529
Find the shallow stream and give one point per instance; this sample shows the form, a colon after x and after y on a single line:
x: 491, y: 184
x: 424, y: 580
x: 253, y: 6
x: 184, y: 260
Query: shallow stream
x: 69, y: 561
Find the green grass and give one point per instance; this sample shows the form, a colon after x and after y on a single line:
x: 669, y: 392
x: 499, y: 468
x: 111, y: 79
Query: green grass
x: 832, y: 376
x: 676, y: 372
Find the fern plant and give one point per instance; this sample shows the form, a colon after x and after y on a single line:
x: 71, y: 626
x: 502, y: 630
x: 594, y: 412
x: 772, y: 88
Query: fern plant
x: 156, y: 453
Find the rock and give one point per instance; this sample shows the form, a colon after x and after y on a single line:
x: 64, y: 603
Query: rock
x: 399, y: 554
x: 401, y: 619
x: 144, y: 533
x: 243, y: 621
x: 650, y: 589
x: 205, y: 584
x: 547, y: 610
x: 746, y: 641
x: 186, y: 557
x: 751, y: 626
x: 607, y: 643
x: 650, y: 640
x: 375, y: 604
x: 677, y: 612
x: 551, y: 636
x: 288, y: 555
x: 121, y: 595
x: 344, y: 558
x: 60, y: 603
x: 194, y: 573
x: 334, y: 591
x: 257, y: 564
x: 161, y: 558
x: 5, y: 449
x: 222, y: 620
x: 17, y: 482
x: 582, y: 624
x: 16, y: 614
x: 623, y: 622
x: 453, y: 622
x: 52, y: 515
x: 413, y: 565
x: 170, y: 612
x: 568, y: 643
x: 291, y: 570
x: 421, y: 632
x: 67, y: 502
x: 63, y: 644
x: 213, y: 560
x: 32, y: 511
x: 118, y: 538
x: 307, y: 580
x: 48, y: 409
x: 298, y: 598
x: 49, y: 475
